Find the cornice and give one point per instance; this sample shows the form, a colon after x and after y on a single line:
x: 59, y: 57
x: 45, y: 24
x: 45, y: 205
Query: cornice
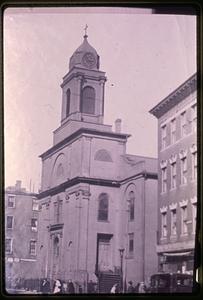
x: 81, y: 131
x: 184, y: 90
x: 93, y: 181
x: 62, y: 187
x: 80, y: 73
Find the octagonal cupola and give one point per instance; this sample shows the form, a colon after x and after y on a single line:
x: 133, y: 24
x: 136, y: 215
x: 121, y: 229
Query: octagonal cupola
x: 85, y: 56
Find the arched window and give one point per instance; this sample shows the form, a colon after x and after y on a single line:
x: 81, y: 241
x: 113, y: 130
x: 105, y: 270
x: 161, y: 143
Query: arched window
x: 88, y: 100
x: 67, y: 103
x: 103, y: 155
x: 103, y: 207
x: 131, y: 205
x: 56, y: 246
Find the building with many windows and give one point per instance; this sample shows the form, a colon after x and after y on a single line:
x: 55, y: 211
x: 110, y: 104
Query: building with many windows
x: 98, y: 215
x: 21, y: 227
x: 177, y: 184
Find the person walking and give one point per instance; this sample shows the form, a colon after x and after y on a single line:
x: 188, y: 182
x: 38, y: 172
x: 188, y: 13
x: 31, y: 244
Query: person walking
x: 142, y: 288
x: 57, y: 288
x: 90, y: 287
x: 114, y: 289
x: 71, y: 288
x: 45, y: 286
x: 130, y: 288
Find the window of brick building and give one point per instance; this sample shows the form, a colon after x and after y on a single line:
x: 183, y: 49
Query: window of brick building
x: 33, y: 247
x: 8, y: 245
x: 183, y: 124
x: 35, y: 204
x: 11, y: 201
x: 173, y: 222
x: 173, y: 175
x: 194, y: 165
x: 173, y: 131
x: 164, y: 180
x: 194, y: 216
x: 163, y: 137
x: 194, y: 117
x: 34, y: 224
x: 184, y: 220
x: 164, y: 225
x: 183, y: 170
x: 9, y: 222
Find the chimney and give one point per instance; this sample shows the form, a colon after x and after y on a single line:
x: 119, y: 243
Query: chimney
x: 18, y: 185
x: 118, y: 125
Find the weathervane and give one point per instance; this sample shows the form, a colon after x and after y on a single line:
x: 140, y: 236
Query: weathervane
x: 85, y: 29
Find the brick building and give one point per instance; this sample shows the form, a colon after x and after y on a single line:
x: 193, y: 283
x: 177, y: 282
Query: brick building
x: 97, y: 202
x: 177, y: 184
x: 21, y: 226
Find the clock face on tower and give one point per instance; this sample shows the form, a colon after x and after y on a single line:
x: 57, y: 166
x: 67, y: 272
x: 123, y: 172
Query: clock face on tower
x: 89, y: 60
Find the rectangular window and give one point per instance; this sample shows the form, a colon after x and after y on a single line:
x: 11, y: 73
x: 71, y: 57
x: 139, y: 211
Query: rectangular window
x: 11, y: 201
x: 183, y: 170
x: 164, y: 225
x: 173, y: 222
x: 184, y: 220
x: 194, y: 165
x: 173, y: 131
x: 35, y: 204
x: 9, y: 222
x: 34, y: 224
x: 131, y: 243
x: 194, y: 117
x: 183, y: 124
x: 163, y: 180
x: 33, y: 247
x: 173, y: 175
x: 8, y: 245
x: 194, y: 216
x: 163, y: 137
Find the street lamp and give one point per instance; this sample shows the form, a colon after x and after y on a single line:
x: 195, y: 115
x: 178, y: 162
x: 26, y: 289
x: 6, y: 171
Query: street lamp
x: 121, y: 250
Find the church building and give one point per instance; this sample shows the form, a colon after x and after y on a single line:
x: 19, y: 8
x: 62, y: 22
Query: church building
x: 98, y: 204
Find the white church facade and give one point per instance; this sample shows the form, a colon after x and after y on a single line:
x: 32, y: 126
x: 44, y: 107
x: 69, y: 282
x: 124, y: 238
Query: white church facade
x: 98, y: 217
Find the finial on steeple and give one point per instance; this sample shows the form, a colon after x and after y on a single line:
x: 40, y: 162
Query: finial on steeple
x: 85, y: 29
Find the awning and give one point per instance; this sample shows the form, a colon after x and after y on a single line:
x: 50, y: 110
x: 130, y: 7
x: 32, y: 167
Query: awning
x: 177, y: 253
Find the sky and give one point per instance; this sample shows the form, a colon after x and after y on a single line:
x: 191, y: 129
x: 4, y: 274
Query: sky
x: 145, y: 57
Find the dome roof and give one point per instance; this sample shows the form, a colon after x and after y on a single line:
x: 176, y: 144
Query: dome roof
x: 85, y: 56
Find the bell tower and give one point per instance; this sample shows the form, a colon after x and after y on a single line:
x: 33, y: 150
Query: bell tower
x: 83, y: 86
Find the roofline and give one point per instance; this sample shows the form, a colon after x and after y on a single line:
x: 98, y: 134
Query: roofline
x: 76, y: 180
x: 17, y: 193
x: 80, y: 131
x: 175, y: 97
x: 94, y: 181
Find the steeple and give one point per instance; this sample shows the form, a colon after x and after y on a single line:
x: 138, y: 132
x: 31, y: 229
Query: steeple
x: 85, y: 56
x: 83, y: 86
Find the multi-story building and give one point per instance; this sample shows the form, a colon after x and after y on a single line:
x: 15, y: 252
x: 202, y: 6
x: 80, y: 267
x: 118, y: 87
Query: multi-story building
x: 177, y: 183
x: 98, y: 215
x: 21, y: 226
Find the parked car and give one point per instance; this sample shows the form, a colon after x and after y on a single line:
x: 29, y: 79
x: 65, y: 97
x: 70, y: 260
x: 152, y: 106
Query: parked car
x: 171, y: 283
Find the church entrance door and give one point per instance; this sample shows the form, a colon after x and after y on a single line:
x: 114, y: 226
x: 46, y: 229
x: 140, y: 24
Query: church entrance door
x: 105, y: 256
